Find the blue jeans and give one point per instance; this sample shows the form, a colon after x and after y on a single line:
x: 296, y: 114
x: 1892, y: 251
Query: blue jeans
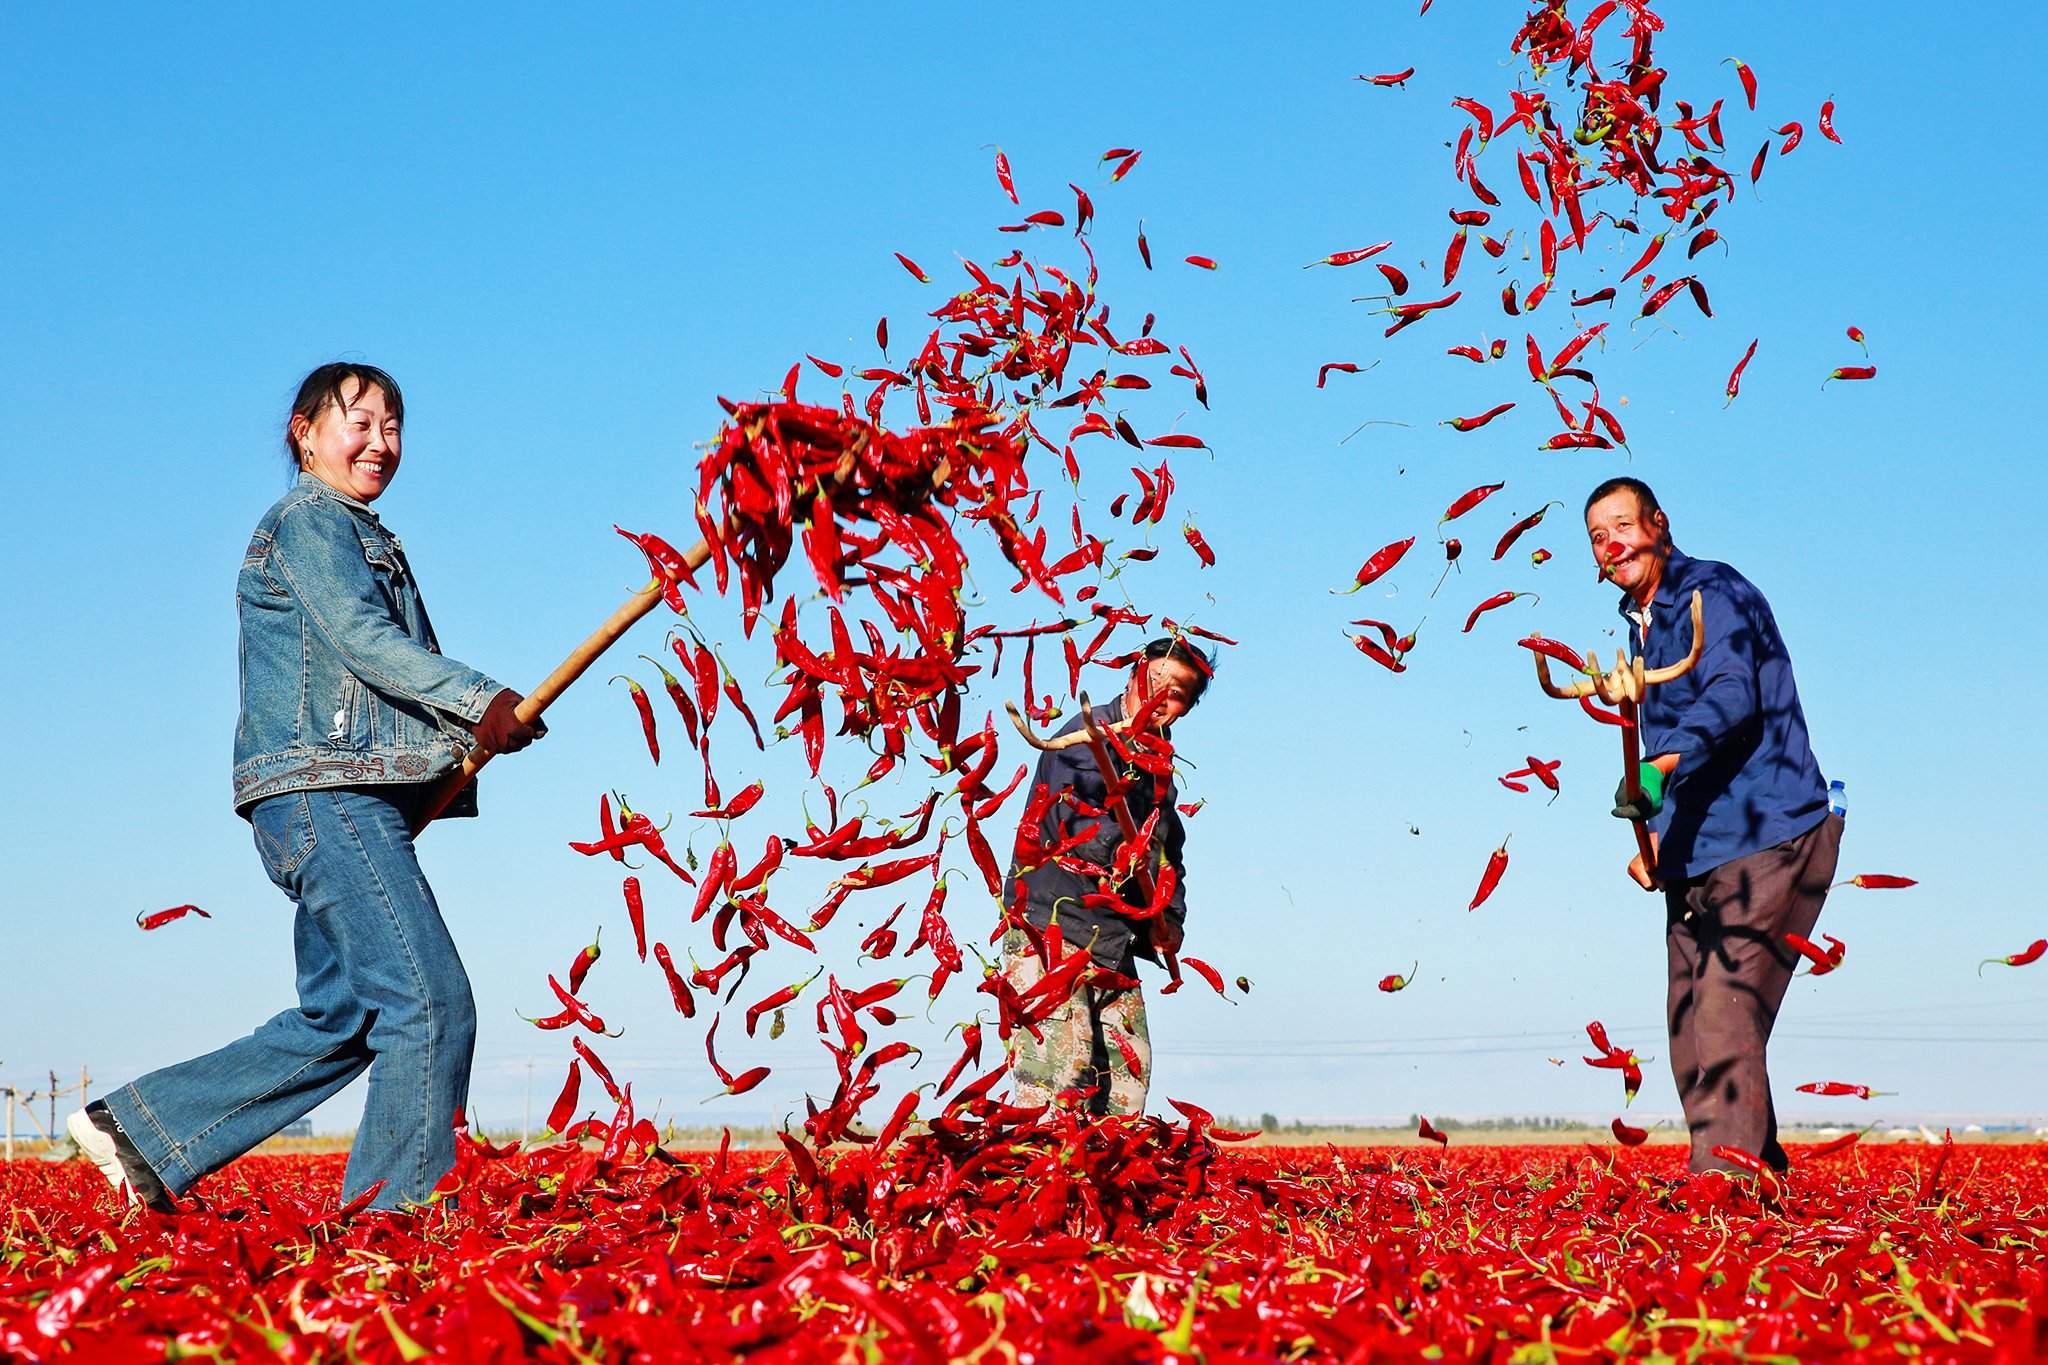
x: 380, y: 987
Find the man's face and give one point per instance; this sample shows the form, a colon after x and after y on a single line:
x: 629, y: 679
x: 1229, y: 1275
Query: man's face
x: 1172, y: 681
x: 1630, y: 547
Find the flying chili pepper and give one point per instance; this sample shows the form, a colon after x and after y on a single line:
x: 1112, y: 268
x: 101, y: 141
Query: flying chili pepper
x: 585, y: 960
x: 1496, y: 865
x: 1200, y: 545
x: 1627, y: 1136
x: 1144, y: 247
x: 159, y: 918
x: 775, y: 1000
x: 1378, y: 563
x: 1429, y: 1132
x: 1201, y: 262
x: 1382, y: 657
x: 1003, y: 176
x: 1341, y: 367
x: 1851, y: 372
x: 1353, y: 257
x: 1207, y: 973
x: 1124, y: 167
x: 646, y: 709
x: 916, y: 271
x: 1649, y: 254
x: 1452, y: 549
x: 1389, y: 78
x: 1454, y: 254
x: 1515, y: 532
x: 1824, y: 960
x: 1827, y: 120
x: 1747, y: 77
x: 564, y: 1107
x: 1499, y: 599
x: 735, y: 808
x: 734, y: 1085
x: 1512, y: 785
x: 1855, y: 334
x: 1397, y: 982
x: 597, y: 1067
x: 678, y: 988
x: 1397, y: 279
x: 1839, y: 1089
x: 1791, y: 132
x: 1469, y: 499
x: 1474, y: 423
x: 1735, y: 375
x: 1756, y: 166
x: 2026, y: 957
x: 1537, y: 557
x: 636, y: 914
x: 1878, y: 881
x: 681, y: 699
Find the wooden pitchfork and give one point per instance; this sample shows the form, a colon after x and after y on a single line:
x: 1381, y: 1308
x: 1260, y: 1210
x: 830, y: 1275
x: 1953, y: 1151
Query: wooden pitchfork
x: 603, y: 638
x: 1624, y: 689
x: 1091, y: 735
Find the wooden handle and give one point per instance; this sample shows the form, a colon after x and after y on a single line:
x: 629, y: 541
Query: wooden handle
x: 556, y: 683
x: 1632, y: 782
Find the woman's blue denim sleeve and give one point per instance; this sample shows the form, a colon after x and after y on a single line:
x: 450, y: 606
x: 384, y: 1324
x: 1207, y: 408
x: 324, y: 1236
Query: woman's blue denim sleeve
x: 320, y: 559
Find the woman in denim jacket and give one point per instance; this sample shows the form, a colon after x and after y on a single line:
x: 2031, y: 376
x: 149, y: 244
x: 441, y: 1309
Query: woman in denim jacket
x: 350, y: 715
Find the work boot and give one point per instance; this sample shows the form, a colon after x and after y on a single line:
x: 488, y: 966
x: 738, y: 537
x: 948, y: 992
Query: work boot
x: 103, y: 1142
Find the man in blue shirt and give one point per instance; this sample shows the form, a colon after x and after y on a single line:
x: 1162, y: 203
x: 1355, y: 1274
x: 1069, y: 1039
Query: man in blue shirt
x: 1745, y: 843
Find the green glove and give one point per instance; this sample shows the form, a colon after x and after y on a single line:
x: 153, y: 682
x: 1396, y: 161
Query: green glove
x: 1651, y: 777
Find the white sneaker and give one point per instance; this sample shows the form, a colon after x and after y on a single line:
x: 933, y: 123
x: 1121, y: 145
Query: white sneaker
x: 100, y: 1140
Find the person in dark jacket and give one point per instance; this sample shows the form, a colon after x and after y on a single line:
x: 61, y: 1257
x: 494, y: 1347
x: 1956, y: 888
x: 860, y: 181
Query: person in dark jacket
x: 1095, y: 1046
x: 1744, y: 841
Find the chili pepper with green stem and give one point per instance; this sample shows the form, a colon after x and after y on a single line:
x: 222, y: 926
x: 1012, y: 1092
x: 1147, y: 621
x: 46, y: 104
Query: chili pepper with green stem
x: 587, y: 959
x: 159, y: 918
x: 1515, y: 532
x: 1398, y: 982
x: 1499, y: 599
x: 2026, y: 957
x: 1496, y: 867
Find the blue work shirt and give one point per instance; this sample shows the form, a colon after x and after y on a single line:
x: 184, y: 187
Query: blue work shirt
x: 1746, y: 778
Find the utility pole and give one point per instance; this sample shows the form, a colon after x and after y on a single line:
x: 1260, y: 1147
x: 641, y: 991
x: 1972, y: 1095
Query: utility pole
x: 53, y: 1105
x: 8, y: 1094
x: 84, y: 1084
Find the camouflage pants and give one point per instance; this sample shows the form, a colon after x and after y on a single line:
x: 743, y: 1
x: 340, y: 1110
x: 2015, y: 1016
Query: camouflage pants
x: 1095, y: 1043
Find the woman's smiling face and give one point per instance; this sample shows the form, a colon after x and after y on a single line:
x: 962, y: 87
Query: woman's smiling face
x: 352, y: 446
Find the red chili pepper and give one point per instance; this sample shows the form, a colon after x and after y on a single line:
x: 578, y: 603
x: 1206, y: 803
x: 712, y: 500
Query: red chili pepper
x: 1597, y: 296
x: 646, y: 709
x: 1649, y: 254
x: 1340, y: 366
x: 1474, y: 423
x: 1605, y: 717
x: 1499, y: 599
x: 1378, y: 655
x: 1351, y: 257
x: 1389, y: 78
x: 1829, y: 1148
x: 564, y: 1107
x: 1827, y: 120
x: 1454, y: 255
x: 159, y: 918
x: 1878, y: 881
x: 1627, y: 1136
x: 1756, y: 165
x: 2026, y: 957
x: 1735, y: 375
x: 587, y: 959
x: 678, y: 989
x: 1496, y: 865
x: 1823, y: 960
x: 1397, y: 280
x: 1200, y: 546
x: 684, y: 708
x: 1144, y: 247
x: 597, y: 1067
x: 916, y: 271
x: 1839, y: 1089
x: 1515, y: 532
x: 1747, y: 77
x: 1003, y: 177
x: 1084, y: 210
x: 636, y: 914
x: 1471, y: 353
x: 1429, y: 1132
x: 1124, y: 167
x: 775, y: 1000
x: 1206, y: 972
x: 1577, y: 440
x: 1791, y: 132
x: 1397, y: 982
x: 881, y: 340
x: 1851, y: 372
x: 736, y: 807
x: 1470, y: 499
x: 1377, y: 563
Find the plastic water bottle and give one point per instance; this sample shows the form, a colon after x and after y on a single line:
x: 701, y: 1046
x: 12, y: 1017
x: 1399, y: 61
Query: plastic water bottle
x: 1838, y: 799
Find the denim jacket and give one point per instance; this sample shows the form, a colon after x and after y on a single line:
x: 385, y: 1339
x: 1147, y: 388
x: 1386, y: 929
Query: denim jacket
x: 342, y: 682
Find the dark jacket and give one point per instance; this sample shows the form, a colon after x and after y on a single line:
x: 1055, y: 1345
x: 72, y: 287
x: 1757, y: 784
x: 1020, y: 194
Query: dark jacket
x: 1048, y: 888
x: 1746, y: 777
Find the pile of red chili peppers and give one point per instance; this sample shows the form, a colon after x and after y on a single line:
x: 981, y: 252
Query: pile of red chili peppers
x: 1038, y: 1236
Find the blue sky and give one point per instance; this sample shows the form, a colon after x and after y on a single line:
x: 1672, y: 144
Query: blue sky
x: 566, y: 234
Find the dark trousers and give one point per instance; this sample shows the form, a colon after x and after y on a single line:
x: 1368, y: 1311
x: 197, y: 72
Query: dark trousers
x: 1724, y: 937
